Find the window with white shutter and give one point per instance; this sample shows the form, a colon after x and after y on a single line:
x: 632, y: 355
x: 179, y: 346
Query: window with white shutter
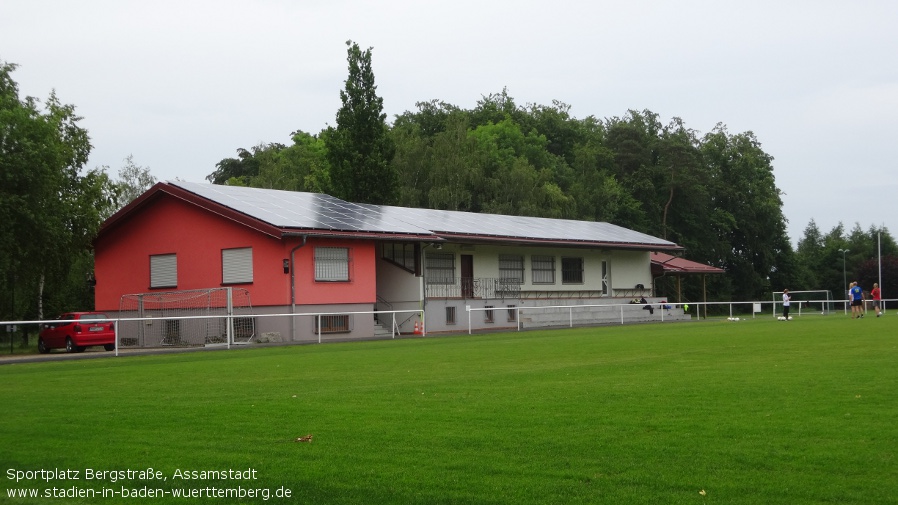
x: 163, y: 271
x: 237, y: 265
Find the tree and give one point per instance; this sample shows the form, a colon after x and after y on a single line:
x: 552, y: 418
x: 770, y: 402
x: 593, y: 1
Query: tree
x: 755, y: 249
x: 810, y: 255
x: 359, y: 150
x: 302, y: 166
x: 455, y: 169
x: 242, y: 168
x: 633, y: 140
x: 49, y: 212
x: 133, y: 181
x: 495, y: 108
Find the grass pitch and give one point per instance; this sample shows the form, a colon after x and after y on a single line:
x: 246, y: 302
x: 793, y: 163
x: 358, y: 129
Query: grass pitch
x: 749, y: 412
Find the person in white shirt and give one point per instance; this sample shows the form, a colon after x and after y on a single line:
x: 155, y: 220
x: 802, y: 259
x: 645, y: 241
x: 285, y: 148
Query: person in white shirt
x: 786, y: 299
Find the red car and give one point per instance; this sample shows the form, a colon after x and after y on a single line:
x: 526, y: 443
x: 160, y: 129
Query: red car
x: 76, y: 331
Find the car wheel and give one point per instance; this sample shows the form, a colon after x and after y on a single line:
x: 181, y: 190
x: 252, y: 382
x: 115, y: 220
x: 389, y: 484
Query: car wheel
x: 109, y: 347
x: 42, y: 346
x: 69, y: 345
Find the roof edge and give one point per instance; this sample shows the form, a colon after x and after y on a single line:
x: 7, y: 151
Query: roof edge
x: 166, y: 188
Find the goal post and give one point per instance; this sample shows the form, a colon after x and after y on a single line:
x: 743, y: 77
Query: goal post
x: 198, y: 317
x: 812, y: 301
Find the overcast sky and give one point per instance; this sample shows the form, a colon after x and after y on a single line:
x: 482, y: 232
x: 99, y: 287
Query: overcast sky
x: 181, y: 85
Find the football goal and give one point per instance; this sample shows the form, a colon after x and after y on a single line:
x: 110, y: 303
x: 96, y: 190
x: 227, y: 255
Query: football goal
x: 814, y: 301
x: 198, y: 317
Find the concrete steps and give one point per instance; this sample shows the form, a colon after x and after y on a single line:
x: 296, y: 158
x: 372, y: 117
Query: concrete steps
x: 381, y: 331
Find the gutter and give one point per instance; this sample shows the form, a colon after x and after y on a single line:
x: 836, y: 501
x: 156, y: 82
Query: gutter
x: 293, y: 286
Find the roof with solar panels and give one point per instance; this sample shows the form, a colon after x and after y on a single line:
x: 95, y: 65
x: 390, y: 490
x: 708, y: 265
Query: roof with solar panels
x: 284, y: 213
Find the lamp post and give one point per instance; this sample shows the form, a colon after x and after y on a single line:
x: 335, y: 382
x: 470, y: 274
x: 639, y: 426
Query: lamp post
x: 844, y: 278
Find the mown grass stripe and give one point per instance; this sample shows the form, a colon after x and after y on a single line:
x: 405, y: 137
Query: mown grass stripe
x: 757, y: 411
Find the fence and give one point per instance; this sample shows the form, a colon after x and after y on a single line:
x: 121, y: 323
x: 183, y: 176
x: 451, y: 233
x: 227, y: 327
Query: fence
x: 126, y: 336
x: 561, y: 315
x: 472, y: 287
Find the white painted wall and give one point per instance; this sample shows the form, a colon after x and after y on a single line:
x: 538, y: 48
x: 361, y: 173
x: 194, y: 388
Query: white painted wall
x: 626, y: 268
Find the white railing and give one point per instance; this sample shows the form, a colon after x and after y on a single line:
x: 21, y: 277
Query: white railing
x: 609, y: 312
x: 684, y: 311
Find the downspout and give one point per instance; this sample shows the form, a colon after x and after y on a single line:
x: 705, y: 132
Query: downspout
x: 293, y: 287
x: 424, y: 288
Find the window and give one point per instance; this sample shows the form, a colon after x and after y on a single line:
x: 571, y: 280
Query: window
x: 572, y: 270
x: 441, y: 268
x: 404, y: 255
x: 450, y: 315
x: 244, y: 328
x: 511, y: 268
x: 164, y: 271
x: 512, y: 313
x: 332, y: 264
x: 237, y: 265
x: 171, y: 332
x: 488, y: 314
x: 332, y: 324
x: 543, y: 269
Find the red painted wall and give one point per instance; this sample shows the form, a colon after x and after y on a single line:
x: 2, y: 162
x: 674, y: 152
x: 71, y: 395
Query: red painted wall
x: 168, y: 225
x: 362, y: 286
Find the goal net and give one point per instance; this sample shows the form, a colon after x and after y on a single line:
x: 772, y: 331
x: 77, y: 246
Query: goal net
x: 814, y: 301
x: 196, y: 317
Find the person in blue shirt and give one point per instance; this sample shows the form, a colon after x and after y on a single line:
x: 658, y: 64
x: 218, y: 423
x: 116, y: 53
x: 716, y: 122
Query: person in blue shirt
x: 857, y: 301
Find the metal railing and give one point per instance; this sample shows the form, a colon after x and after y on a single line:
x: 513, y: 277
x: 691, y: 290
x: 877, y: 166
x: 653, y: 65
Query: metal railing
x: 473, y: 288
x: 609, y: 313
x: 624, y: 312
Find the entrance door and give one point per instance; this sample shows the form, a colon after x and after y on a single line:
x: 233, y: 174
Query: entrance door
x: 467, y: 276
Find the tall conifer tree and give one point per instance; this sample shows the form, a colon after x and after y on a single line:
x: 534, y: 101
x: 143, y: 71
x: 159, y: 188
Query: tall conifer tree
x: 359, y: 148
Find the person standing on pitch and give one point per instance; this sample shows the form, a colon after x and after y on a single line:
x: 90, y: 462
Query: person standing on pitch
x: 786, y: 299
x: 857, y: 301
x: 876, y: 294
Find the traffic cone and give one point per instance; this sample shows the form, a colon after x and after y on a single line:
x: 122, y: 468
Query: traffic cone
x: 418, y: 329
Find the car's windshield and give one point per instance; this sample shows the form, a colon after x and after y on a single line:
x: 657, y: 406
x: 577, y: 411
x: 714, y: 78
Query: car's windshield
x: 94, y: 316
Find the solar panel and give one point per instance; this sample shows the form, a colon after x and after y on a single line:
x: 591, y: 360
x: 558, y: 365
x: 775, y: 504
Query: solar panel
x: 521, y: 227
x: 291, y: 209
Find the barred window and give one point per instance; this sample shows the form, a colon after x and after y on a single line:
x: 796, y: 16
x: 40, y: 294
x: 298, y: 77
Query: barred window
x: 440, y: 268
x: 512, y: 313
x: 332, y: 324
x: 488, y: 314
x: 237, y: 265
x: 572, y: 270
x: 543, y: 269
x: 450, y: 315
x: 163, y: 271
x: 171, y: 331
x: 332, y: 264
x: 511, y: 268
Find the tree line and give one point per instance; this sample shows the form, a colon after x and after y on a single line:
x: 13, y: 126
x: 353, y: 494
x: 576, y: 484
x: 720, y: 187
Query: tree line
x: 51, y: 207
x: 714, y: 193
